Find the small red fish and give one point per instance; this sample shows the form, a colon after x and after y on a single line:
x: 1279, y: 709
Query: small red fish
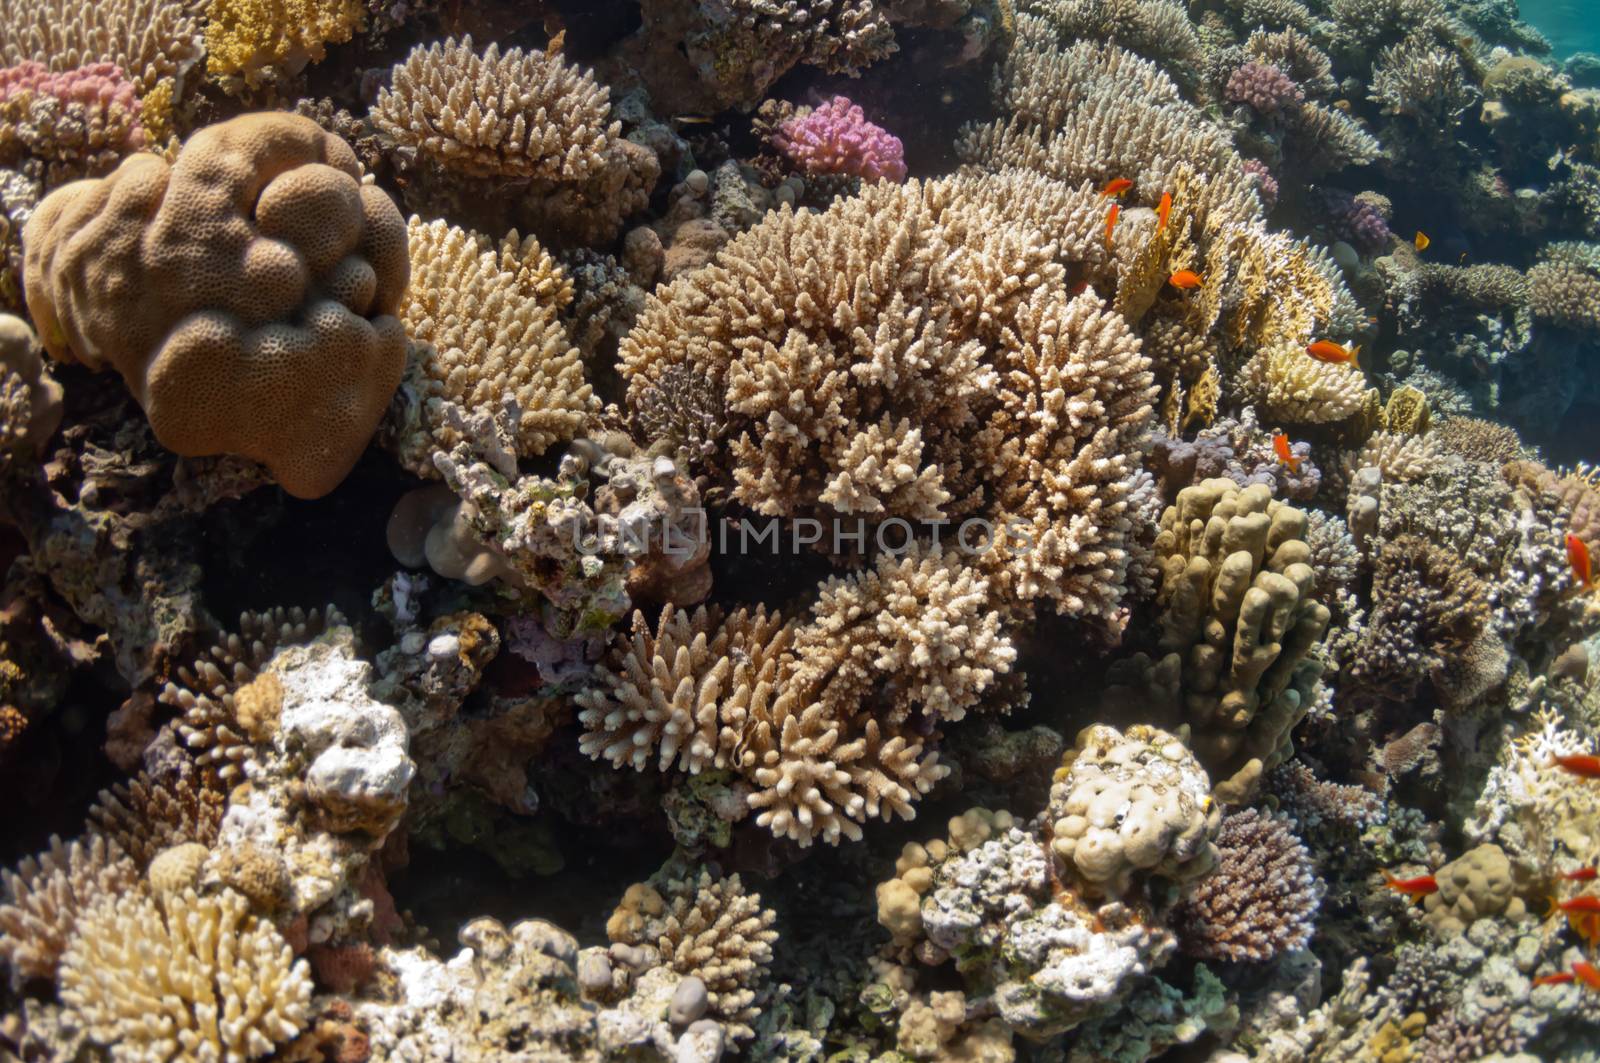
x: 1583, y: 874
x: 1578, y: 558
x: 1164, y: 211
x: 1559, y: 978
x: 1185, y: 279
x: 1280, y: 447
x: 1583, y: 903
x: 1584, y: 764
x: 1420, y: 886
x: 1334, y: 353
x: 1079, y: 288
x: 1116, y: 187
x: 1111, y: 222
x: 1587, y: 973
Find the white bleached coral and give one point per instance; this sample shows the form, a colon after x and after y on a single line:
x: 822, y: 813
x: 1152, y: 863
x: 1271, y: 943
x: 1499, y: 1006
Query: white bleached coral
x: 47, y: 894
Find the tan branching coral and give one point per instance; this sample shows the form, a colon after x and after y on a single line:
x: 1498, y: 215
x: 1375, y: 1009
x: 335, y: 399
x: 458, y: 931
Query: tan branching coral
x: 916, y: 634
x: 480, y: 123
x: 911, y: 354
x: 485, y: 323
x: 48, y: 894
x: 246, y: 293
x: 1479, y: 440
x: 1565, y: 295
x: 1159, y: 29
x: 153, y: 40
x: 1400, y: 457
x: 681, y: 693
x: 1238, y: 625
x: 184, y: 977
x: 1292, y: 386
x: 249, y: 40
x: 148, y: 815
x: 707, y: 928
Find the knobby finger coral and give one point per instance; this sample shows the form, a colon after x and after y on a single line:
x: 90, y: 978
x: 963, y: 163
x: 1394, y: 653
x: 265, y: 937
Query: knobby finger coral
x: 246, y: 293
x: 1260, y: 902
x: 1238, y: 629
x: 184, y: 977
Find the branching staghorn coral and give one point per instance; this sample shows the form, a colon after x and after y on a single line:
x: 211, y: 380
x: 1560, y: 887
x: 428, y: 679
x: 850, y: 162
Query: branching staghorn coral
x: 705, y: 928
x: 516, y: 134
x: 1565, y: 295
x: 485, y: 323
x: 250, y: 41
x: 153, y: 40
x: 875, y: 357
x: 1259, y: 902
x: 46, y: 896
x: 1157, y: 29
x: 1422, y: 82
x: 150, y: 814
x: 1238, y: 628
x: 184, y: 976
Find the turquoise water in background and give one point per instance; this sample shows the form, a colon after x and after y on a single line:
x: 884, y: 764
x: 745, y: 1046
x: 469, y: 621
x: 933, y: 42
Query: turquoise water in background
x: 1571, y: 25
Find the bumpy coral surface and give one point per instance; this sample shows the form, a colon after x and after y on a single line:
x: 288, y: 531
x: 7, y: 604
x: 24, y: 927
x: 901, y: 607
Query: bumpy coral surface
x: 254, y: 278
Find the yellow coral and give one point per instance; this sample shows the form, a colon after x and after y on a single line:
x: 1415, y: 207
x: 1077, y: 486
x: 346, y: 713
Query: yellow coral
x: 250, y: 39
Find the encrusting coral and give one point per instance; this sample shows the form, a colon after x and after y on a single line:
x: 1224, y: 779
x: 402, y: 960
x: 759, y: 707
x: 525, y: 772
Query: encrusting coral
x: 255, y: 277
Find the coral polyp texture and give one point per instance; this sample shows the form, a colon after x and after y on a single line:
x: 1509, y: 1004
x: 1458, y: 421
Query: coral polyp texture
x: 868, y: 531
x: 254, y: 277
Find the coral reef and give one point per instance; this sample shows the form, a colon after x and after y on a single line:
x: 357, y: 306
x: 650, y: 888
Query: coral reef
x: 915, y: 530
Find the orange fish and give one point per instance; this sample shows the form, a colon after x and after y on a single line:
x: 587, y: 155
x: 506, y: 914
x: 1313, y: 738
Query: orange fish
x: 1559, y: 978
x: 1280, y: 447
x: 1111, y: 222
x: 1116, y: 187
x: 1422, y: 242
x: 1578, y: 558
x: 1582, y: 903
x: 1164, y: 211
x: 1584, y: 764
x: 1583, y: 874
x: 1583, y: 916
x: 1420, y: 886
x: 1587, y: 973
x: 1185, y: 279
x: 1334, y: 353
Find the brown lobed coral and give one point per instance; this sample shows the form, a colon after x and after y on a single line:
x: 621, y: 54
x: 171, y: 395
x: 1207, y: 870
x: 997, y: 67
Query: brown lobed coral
x: 246, y: 293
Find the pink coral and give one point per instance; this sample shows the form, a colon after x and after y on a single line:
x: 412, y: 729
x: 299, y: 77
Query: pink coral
x: 88, y: 116
x: 1266, y: 184
x: 1264, y: 88
x: 836, y: 138
x: 98, y: 84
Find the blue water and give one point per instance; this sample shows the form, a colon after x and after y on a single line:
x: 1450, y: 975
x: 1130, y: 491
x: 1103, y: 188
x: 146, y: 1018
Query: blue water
x: 1571, y: 25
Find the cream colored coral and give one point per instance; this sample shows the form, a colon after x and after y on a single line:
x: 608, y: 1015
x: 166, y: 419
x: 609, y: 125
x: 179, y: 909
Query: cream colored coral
x: 1131, y: 803
x: 485, y: 319
x: 153, y: 40
x: 1292, y: 386
x: 249, y: 38
x: 184, y: 977
x: 682, y: 694
x: 507, y: 114
x: 46, y: 896
x: 915, y: 633
x: 1401, y: 457
x: 711, y: 929
x: 246, y: 293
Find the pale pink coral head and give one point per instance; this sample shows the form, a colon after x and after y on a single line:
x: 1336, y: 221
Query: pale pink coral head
x: 836, y: 138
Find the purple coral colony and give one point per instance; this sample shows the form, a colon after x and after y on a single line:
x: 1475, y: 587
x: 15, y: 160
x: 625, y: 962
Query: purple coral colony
x: 801, y: 531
